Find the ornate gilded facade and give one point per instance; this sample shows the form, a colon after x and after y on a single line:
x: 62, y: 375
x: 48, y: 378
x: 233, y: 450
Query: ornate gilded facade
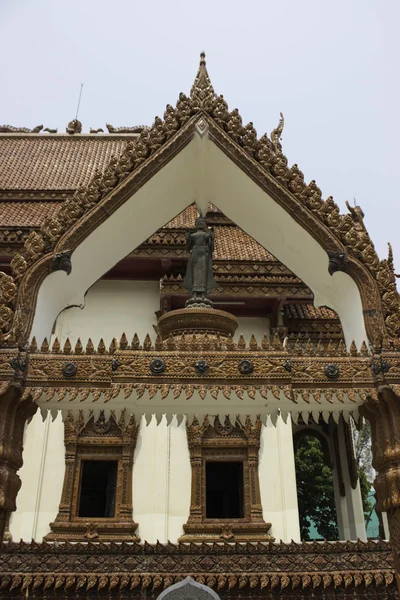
x: 320, y: 345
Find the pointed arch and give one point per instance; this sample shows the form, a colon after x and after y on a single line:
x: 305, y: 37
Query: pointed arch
x: 197, y: 135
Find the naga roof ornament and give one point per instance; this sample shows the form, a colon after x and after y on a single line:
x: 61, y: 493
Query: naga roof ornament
x: 263, y: 159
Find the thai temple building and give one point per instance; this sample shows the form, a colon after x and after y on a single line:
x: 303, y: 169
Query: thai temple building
x: 179, y: 308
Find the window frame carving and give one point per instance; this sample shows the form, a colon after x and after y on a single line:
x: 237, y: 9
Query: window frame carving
x: 225, y: 442
x: 97, y: 440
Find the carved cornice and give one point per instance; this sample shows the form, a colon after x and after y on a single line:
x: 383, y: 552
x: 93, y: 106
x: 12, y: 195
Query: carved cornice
x: 301, y: 378
x: 263, y: 566
x: 262, y: 159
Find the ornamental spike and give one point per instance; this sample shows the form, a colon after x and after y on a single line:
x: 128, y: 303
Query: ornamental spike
x: 45, y: 345
x: 78, y: 347
x: 158, y: 345
x: 276, y: 342
x: 253, y: 343
x: 113, y: 346
x: 56, y: 346
x: 123, y: 343
x: 147, y: 342
x: 241, y: 343
x: 90, y: 347
x: 67, y: 346
x: 265, y: 342
x: 135, y: 342
x: 230, y: 344
x: 353, y: 349
x: 33, y: 347
x: 101, y: 348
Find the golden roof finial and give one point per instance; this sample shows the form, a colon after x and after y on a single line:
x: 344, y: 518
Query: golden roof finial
x: 202, y: 91
x: 277, y: 132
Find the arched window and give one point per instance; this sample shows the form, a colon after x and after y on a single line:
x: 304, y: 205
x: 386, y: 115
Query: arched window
x: 315, y: 490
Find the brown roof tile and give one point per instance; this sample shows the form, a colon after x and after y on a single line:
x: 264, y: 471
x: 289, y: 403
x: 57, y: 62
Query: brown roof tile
x: 53, y: 163
x: 232, y: 243
x: 308, y: 311
x: 25, y: 214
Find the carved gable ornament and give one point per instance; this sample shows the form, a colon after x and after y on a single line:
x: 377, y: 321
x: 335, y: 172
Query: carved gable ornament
x: 261, y: 158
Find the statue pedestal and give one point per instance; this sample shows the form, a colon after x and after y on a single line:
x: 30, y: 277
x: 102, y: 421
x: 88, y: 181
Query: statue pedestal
x: 199, y: 321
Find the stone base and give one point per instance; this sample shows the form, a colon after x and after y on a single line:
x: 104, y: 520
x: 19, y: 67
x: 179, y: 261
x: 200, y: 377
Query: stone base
x: 105, y: 530
x: 199, y: 321
x: 228, y: 531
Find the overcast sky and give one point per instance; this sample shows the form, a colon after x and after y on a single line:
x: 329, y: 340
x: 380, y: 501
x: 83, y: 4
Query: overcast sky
x: 331, y: 67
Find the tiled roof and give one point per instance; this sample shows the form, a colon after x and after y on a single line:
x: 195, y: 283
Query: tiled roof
x: 308, y: 311
x: 232, y: 243
x: 53, y: 162
x: 25, y: 214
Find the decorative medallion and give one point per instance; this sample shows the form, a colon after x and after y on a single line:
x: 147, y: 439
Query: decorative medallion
x: 225, y: 429
x: 287, y: 365
x: 381, y: 366
x: 69, y: 369
x: 246, y: 367
x: 18, y: 364
x: 201, y: 366
x: 157, y: 365
x: 332, y: 371
x: 101, y: 425
x: 115, y: 364
x: 201, y: 127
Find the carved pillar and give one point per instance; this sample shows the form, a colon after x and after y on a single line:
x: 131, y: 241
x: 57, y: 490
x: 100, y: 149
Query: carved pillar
x: 253, y: 433
x: 383, y: 413
x: 194, y: 435
x: 13, y: 414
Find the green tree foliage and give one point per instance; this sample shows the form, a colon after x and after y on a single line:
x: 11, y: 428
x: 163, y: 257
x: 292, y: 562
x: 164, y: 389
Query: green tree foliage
x: 314, y: 490
x: 363, y: 452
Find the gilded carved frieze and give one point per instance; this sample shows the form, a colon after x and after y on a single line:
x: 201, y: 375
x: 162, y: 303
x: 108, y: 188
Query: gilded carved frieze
x: 262, y: 159
x: 334, y: 569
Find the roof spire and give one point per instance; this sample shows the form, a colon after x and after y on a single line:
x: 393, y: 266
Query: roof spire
x: 202, y: 90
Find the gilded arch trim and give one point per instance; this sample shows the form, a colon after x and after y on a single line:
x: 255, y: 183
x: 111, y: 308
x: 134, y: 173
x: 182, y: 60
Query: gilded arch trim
x: 261, y: 159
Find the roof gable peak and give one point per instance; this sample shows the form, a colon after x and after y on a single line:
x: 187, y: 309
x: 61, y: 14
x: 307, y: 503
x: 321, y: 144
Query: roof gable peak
x: 202, y: 92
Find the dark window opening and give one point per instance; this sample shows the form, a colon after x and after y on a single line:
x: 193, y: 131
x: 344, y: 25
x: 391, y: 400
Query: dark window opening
x: 224, y: 490
x: 98, y: 488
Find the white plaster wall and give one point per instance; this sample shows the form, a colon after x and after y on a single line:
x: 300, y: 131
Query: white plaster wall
x: 42, y: 476
x: 111, y: 308
x: 278, y: 480
x: 201, y: 172
x: 161, y: 481
x: 249, y: 326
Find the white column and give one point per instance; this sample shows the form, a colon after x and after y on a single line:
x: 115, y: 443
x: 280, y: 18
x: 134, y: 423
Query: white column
x: 180, y: 481
x: 342, y: 515
x: 278, y: 480
x: 42, y: 476
x: 150, y: 480
x: 353, y: 496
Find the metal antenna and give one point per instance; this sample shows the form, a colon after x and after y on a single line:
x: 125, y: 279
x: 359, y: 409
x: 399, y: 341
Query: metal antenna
x: 79, y: 102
